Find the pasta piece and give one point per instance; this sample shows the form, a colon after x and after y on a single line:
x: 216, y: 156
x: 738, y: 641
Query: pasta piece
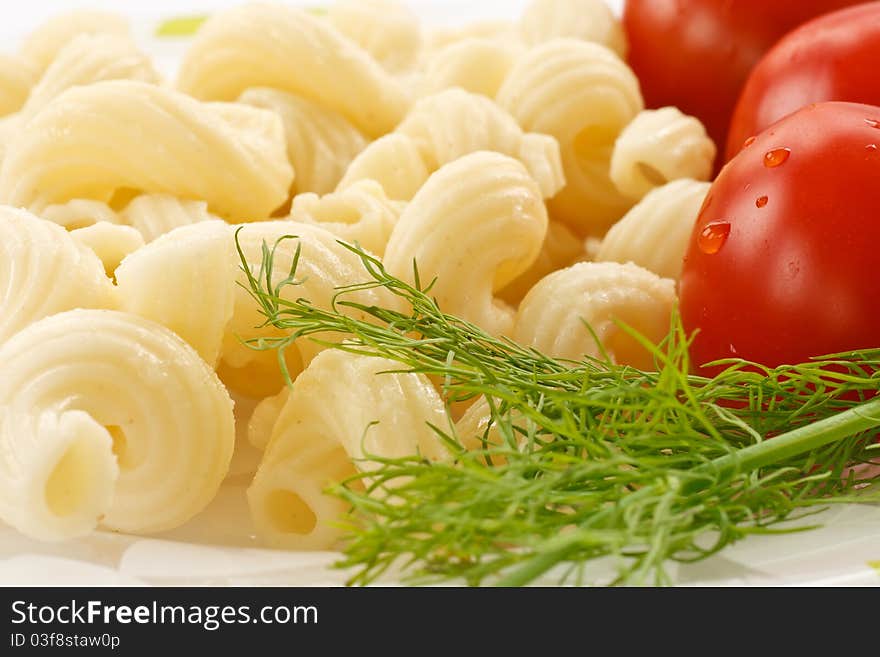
x: 42, y: 46
x: 343, y: 409
x: 155, y: 215
x: 184, y: 280
x: 454, y: 123
x: 387, y: 29
x: 584, y: 95
x: 264, y: 418
x: 394, y: 161
x: 110, y: 242
x: 361, y: 214
x: 476, y: 65
x: 107, y: 418
x: 588, y: 20
x: 80, y: 146
x: 496, y: 30
x: 320, y: 143
x: 561, y: 248
x: 555, y: 316
x: 475, y: 226
x: 43, y: 271
x: 16, y: 79
x: 324, y: 266
x: 80, y: 213
x: 656, y: 232
x: 268, y: 45
x: 660, y: 146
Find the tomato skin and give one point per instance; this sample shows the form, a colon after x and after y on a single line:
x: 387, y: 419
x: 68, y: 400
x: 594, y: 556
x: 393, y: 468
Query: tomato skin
x: 697, y: 54
x: 797, y: 277
x: 834, y: 57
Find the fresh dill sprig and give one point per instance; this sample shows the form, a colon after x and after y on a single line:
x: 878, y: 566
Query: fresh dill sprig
x: 584, y: 461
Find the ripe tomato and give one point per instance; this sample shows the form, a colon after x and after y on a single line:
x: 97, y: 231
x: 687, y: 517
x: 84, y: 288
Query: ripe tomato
x: 784, y: 259
x: 697, y: 54
x: 834, y: 57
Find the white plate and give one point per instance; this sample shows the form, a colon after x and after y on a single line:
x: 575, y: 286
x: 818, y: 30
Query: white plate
x: 218, y: 547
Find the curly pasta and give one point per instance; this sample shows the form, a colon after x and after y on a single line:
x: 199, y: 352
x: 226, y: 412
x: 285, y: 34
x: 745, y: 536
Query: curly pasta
x: 387, y: 29
x: 552, y: 317
x: 588, y: 20
x: 584, y: 95
x: 112, y: 243
x: 43, y: 271
x: 320, y: 143
x: 184, y: 280
x: 476, y: 65
x: 79, y: 146
x: 394, y: 161
x: 343, y: 409
x: 656, y: 232
x: 266, y: 45
x: 155, y: 215
x: 80, y: 213
x: 16, y: 79
x: 660, y: 146
x: 107, y: 418
x: 451, y: 231
x: 496, y: 30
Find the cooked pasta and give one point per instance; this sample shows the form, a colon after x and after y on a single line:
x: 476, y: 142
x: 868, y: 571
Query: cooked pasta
x: 343, y: 409
x: 656, y: 232
x: 387, y: 29
x: 499, y: 30
x: 16, y: 79
x: 555, y: 316
x: 451, y: 230
x: 660, y: 146
x: 268, y: 45
x: 584, y: 95
x: 361, y: 214
x: 110, y: 242
x: 589, y: 20
x: 264, y: 417
x: 155, y: 215
x: 476, y: 65
x: 395, y: 162
x: 80, y: 146
x: 184, y: 280
x: 43, y: 271
x: 320, y: 143
x: 79, y: 213
x: 107, y: 418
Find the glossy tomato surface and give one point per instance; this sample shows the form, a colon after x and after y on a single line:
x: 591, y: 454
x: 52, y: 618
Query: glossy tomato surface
x: 835, y: 57
x: 784, y: 261
x: 697, y: 54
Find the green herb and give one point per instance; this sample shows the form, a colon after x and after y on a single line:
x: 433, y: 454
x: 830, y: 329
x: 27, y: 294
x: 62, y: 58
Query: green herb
x: 180, y: 26
x: 586, y: 460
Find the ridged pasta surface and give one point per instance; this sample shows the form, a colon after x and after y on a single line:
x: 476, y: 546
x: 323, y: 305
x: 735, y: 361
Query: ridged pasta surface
x: 387, y: 29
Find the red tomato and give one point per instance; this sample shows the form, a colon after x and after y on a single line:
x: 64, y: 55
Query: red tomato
x: 697, y: 54
x: 835, y: 57
x: 784, y: 259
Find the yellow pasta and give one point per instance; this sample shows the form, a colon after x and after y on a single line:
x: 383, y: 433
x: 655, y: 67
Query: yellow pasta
x: 496, y: 30
x: 554, y: 316
x: 155, y: 215
x: 451, y: 230
x: 584, y: 95
x: 656, y: 232
x: 395, y: 161
x: 387, y: 29
x: 342, y: 410
x: 112, y: 243
x: 268, y: 45
x: 43, y: 271
x: 476, y: 65
x: 320, y: 143
x: 16, y: 79
x: 79, y: 147
x: 660, y: 146
x: 80, y: 213
x: 107, y: 418
x: 589, y: 20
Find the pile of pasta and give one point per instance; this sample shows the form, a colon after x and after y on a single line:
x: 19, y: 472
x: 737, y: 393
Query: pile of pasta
x: 514, y: 162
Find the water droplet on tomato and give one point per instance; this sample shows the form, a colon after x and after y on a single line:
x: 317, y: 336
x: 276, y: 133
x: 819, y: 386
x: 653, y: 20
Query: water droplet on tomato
x: 762, y: 201
x: 777, y: 157
x: 873, y: 123
x: 748, y: 142
x: 871, y: 148
x: 714, y: 237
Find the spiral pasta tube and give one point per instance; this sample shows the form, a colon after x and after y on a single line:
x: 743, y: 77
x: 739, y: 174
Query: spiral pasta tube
x: 555, y: 316
x: 394, y: 161
x: 320, y: 143
x: 16, y: 80
x: 495, y: 30
x: 80, y: 145
x: 267, y: 45
x: 660, y: 146
x: 476, y: 65
x: 155, y: 215
x: 387, y: 29
x: 343, y: 409
x: 43, y: 271
x: 361, y: 214
x: 107, y: 418
x: 588, y: 20
x: 451, y: 231
x: 112, y: 243
x: 584, y: 95
x: 184, y: 280
x: 656, y: 232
